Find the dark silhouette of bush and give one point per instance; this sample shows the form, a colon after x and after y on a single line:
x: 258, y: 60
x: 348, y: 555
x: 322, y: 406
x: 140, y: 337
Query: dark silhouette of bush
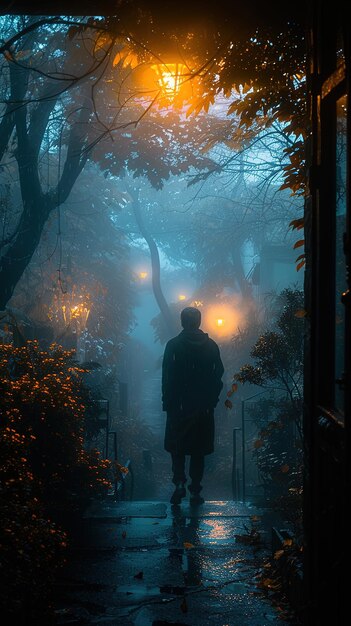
x: 44, y: 466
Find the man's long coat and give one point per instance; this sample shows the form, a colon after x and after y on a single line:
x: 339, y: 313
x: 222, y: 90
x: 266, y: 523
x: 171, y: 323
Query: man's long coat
x: 192, y: 370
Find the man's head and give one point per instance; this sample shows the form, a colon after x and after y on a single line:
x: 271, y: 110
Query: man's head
x: 190, y: 318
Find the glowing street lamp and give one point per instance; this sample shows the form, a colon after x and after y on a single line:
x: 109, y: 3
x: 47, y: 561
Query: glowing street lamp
x: 143, y: 275
x: 223, y: 318
x: 77, y: 313
x: 170, y: 77
x: 181, y: 297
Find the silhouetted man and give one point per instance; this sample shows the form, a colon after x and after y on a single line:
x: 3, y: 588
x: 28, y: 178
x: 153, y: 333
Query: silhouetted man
x: 191, y: 383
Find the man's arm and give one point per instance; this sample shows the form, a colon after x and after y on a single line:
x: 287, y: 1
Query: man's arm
x: 218, y: 371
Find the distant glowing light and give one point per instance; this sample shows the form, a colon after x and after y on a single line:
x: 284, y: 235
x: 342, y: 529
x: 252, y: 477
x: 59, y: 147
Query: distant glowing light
x: 78, y: 313
x: 170, y: 77
x: 143, y: 275
x: 197, y: 303
x: 181, y: 296
x: 223, y: 319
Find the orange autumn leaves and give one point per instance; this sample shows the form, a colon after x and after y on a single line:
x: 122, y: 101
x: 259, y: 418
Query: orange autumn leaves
x: 228, y: 403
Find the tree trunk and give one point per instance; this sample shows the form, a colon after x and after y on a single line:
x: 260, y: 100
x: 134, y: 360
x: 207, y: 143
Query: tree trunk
x: 156, y: 269
x: 37, y: 205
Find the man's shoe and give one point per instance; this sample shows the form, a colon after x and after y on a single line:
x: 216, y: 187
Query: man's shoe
x: 178, y: 494
x: 196, y: 500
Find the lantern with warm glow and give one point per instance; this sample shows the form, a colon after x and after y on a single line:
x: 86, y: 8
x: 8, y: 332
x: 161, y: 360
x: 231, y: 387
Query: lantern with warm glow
x: 77, y: 314
x: 181, y: 297
x: 220, y: 322
x: 143, y: 275
x: 170, y: 77
x: 71, y: 309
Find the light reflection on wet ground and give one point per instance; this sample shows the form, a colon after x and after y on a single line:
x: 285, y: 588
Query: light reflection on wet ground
x: 180, y: 567
x: 215, y: 530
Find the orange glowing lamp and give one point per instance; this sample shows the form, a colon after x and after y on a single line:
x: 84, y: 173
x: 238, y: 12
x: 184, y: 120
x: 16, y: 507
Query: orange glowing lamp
x: 78, y: 313
x: 170, y: 77
x: 223, y: 319
x: 143, y: 275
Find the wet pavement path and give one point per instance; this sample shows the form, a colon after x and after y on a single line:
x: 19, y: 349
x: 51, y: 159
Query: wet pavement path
x: 151, y: 564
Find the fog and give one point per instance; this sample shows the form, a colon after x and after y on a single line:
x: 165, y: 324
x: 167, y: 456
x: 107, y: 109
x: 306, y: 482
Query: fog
x: 191, y: 224
x: 223, y: 245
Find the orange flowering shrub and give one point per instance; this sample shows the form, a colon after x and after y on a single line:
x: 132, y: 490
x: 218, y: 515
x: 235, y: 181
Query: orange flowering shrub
x: 44, y: 399
x: 43, y: 463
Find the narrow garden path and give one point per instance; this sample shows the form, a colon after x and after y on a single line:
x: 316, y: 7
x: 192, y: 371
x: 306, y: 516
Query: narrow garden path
x: 151, y: 564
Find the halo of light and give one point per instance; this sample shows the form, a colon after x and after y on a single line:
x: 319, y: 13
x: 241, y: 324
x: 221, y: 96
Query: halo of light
x: 170, y: 77
x: 221, y: 320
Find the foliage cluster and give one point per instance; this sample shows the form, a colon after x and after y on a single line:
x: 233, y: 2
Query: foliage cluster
x: 278, y: 454
x: 278, y: 368
x: 44, y: 466
x: 81, y: 82
x: 278, y: 353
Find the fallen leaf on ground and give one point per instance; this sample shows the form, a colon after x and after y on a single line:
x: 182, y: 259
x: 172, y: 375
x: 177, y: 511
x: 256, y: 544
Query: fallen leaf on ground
x: 287, y: 542
x: 278, y: 554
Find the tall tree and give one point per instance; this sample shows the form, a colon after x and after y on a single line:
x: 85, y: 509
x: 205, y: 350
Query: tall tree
x: 65, y: 95
x: 82, y: 87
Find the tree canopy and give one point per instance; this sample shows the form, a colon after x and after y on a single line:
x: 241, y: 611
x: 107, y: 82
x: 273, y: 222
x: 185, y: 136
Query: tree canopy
x: 83, y: 88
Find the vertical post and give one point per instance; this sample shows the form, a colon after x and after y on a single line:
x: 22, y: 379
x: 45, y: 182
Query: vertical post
x: 235, y: 490
x: 107, y: 409
x: 243, y: 448
x: 114, y: 435
x: 238, y: 481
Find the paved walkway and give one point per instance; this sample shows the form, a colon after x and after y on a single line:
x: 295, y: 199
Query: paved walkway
x: 150, y: 564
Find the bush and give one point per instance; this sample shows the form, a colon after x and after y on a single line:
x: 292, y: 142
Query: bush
x: 277, y: 367
x: 44, y: 465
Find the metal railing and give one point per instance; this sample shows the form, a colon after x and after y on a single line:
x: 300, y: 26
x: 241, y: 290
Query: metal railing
x: 239, y: 482
x: 123, y: 483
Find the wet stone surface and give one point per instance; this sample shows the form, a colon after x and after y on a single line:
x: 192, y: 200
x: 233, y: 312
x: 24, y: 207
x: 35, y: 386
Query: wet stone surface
x: 150, y: 564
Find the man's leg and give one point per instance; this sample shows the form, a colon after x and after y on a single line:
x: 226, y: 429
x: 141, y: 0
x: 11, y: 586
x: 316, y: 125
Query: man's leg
x: 196, y: 472
x: 178, y: 468
x: 179, y: 478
